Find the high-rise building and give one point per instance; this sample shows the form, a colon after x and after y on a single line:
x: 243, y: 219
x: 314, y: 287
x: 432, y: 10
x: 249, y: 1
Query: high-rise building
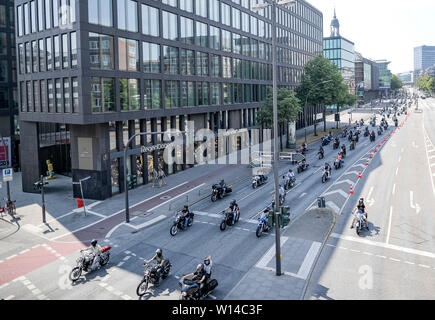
x: 93, y: 73
x: 424, y: 57
x: 384, y: 76
x: 341, y: 52
x: 8, y: 87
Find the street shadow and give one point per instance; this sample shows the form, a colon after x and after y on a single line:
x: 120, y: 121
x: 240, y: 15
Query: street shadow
x: 89, y: 276
x: 319, y: 292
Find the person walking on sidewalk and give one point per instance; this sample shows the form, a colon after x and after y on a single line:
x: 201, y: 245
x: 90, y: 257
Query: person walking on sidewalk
x: 161, y: 177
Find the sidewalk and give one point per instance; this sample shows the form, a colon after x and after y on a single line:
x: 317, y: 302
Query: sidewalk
x: 300, y: 245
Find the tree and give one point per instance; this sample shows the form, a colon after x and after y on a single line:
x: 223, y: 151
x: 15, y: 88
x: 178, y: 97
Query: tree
x: 312, y: 90
x: 289, y: 107
x: 396, y: 83
x: 426, y: 83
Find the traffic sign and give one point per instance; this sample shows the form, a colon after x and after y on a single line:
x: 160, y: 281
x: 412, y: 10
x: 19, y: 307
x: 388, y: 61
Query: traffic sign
x: 7, y: 174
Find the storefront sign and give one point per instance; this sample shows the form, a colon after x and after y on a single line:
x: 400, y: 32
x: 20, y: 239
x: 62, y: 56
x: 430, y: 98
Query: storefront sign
x: 5, y: 154
x: 160, y: 146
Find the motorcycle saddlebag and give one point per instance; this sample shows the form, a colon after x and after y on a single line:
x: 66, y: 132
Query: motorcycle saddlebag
x: 212, y: 284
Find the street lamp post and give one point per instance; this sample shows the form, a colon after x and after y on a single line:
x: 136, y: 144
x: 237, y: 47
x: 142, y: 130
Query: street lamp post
x: 258, y: 7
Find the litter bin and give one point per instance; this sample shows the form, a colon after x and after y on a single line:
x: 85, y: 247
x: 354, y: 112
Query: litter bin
x: 321, y: 202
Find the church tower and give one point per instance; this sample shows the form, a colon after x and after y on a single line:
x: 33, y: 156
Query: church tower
x: 335, y: 26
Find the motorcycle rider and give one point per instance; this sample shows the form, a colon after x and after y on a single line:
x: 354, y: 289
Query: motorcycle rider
x: 281, y: 192
x: 304, y: 163
x: 321, y: 151
x: 160, y: 262
x: 186, y: 214
x: 359, y: 214
x: 340, y: 158
x: 343, y: 150
x: 291, y: 175
x: 95, y: 250
x: 336, y: 142
x: 207, y: 267
x: 200, y: 277
x: 223, y: 185
x: 327, y: 168
x: 233, y: 207
x: 330, y: 136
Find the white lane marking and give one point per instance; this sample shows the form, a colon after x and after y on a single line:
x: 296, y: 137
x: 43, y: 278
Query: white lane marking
x: 126, y: 297
x: 392, y: 259
x: 213, y: 215
x: 269, y: 254
x: 416, y: 206
x: 10, y: 297
x: 212, y: 296
x: 394, y: 189
x: 428, y: 162
x: 370, y: 200
x: 397, y: 171
x: 367, y: 253
x: 331, y: 245
x: 385, y: 245
x: 379, y: 256
x: 148, y: 223
x: 347, y: 181
x: 304, y: 270
x: 353, y: 250
x: 302, y: 195
x: 339, y: 191
x: 120, y: 264
x: 180, y: 195
x: 95, y: 213
x: 400, y: 158
x: 126, y: 258
x: 389, y: 225
x: 408, y: 262
x: 332, y: 206
x: 424, y: 266
x: 10, y: 257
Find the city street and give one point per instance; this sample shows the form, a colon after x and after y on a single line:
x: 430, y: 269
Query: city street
x: 396, y: 184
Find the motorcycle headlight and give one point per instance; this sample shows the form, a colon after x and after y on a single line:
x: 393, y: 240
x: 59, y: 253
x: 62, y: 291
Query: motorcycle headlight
x: 184, y: 293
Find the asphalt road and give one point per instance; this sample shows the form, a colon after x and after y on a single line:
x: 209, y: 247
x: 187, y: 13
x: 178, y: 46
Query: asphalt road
x: 237, y: 250
x: 395, y: 259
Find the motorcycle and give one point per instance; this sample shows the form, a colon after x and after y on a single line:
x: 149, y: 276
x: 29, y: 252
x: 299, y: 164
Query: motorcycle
x: 343, y: 152
x: 325, y: 141
x: 256, y: 181
x: 325, y: 176
x: 336, y: 144
x: 360, y: 224
x: 86, y: 260
x: 396, y: 122
x: 352, y: 145
x: 150, y: 276
x: 372, y: 138
x: 344, y: 134
x: 228, y: 218
x: 263, y: 226
x: 303, y: 150
x: 190, y: 289
x: 302, y: 167
x: 337, y: 164
x: 321, y: 155
x: 289, y: 183
x: 366, y: 132
x: 217, y: 192
x: 379, y: 131
x: 179, y: 222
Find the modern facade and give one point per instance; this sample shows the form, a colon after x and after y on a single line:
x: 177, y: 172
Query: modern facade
x: 384, y: 76
x: 406, y: 77
x: 366, y: 78
x: 424, y: 57
x: 93, y: 73
x: 341, y: 52
x: 8, y: 87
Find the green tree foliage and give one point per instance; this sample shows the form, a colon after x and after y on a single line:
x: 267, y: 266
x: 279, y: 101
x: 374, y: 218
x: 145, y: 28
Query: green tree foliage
x: 426, y: 84
x: 396, y: 83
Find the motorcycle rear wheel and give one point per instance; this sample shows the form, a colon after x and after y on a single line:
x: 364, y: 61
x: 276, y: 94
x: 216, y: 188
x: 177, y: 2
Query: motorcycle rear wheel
x: 105, y: 261
x: 213, y: 198
x: 259, y: 231
x: 142, y: 288
x: 173, y: 231
x: 75, y: 274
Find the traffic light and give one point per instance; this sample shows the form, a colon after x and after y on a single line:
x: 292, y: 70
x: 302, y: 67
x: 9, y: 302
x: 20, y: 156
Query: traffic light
x: 132, y: 181
x: 284, y: 217
x: 37, y: 186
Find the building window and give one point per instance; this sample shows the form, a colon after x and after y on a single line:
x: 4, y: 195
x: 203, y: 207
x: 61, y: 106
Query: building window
x: 127, y: 15
x: 172, y: 94
x: 28, y: 57
x: 34, y: 56
x: 215, y: 89
x: 201, y: 34
x: 170, y: 26
x: 66, y: 95
x: 203, y: 94
x: 150, y: 21
x: 215, y: 66
x: 170, y: 60
x: 50, y: 95
x: 22, y: 59
x: 102, y: 95
x: 55, y: 13
x: 47, y: 14
x: 44, y: 95
x: 213, y: 10
x: 237, y: 43
x: 100, y: 12
x: 215, y: 38
x: 58, y: 89
x: 23, y: 96
x: 73, y: 53
x: 246, y: 46
x: 101, y: 51
x: 236, y: 18
x: 33, y: 15
x: 20, y: 20
x: 226, y: 14
x: 245, y: 22
x: 65, y: 61
x: 41, y: 55
x: 201, y: 8
x: 151, y: 57
x: 153, y: 94
x: 228, y: 93
x: 188, y: 94
x: 226, y: 67
x: 187, y: 62
x: 36, y: 96
x: 75, y: 95
x: 26, y: 20
x: 186, y: 5
x: 49, y: 54
x: 128, y: 52
x: 29, y: 97
x: 129, y: 94
x: 226, y: 41
x: 172, y: 3
x: 56, y: 52
x: 201, y: 64
x: 186, y: 30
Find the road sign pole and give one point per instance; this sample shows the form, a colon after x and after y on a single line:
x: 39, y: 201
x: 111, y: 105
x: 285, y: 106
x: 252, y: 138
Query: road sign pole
x: 43, y: 199
x: 83, y: 198
x: 8, y: 190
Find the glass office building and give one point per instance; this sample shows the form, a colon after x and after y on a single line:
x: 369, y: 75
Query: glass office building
x: 106, y: 69
x: 424, y: 57
x: 8, y: 86
x: 384, y: 75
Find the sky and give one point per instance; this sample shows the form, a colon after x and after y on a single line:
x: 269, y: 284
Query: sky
x: 383, y: 29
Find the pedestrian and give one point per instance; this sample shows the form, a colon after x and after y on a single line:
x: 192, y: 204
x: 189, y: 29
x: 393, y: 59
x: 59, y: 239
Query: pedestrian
x: 161, y: 176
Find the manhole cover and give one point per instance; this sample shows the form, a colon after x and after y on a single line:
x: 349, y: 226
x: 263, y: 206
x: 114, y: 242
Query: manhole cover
x: 165, y: 197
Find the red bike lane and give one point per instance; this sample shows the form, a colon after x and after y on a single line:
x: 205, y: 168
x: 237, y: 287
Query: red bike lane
x: 39, y: 257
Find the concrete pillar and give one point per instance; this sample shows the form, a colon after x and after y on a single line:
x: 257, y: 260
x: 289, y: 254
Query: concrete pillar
x: 30, y: 158
x: 164, y: 127
x: 90, y: 156
x: 120, y: 147
x: 143, y: 142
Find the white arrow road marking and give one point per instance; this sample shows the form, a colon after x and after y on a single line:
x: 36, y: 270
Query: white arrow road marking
x: 370, y: 200
x: 416, y: 206
x: 302, y: 195
x: 339, y: 191
x: 359, y: 165
x: 352, y: 172
x: 332, y: 206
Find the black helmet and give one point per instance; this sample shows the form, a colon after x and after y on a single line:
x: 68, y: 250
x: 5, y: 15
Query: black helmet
x: 94, y: 243
x: 207, y: 260
x: 186, y: 207
x: 199, y: 267
x: 233, y: 203
x: 159, y: 252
